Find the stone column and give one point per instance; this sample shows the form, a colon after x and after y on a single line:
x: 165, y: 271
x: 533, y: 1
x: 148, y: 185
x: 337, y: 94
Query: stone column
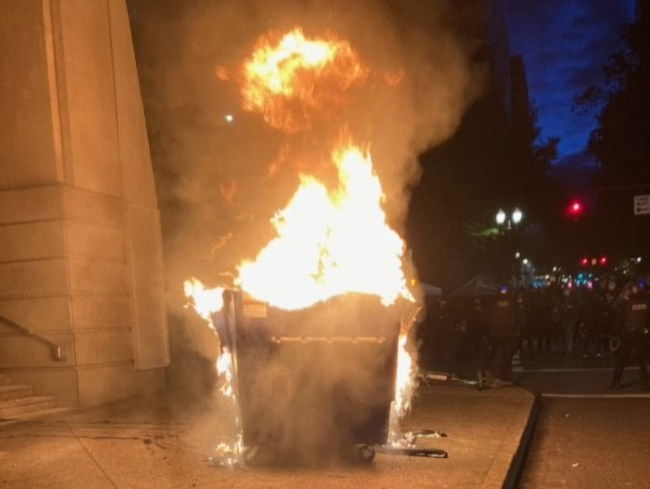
x: 80, y: 245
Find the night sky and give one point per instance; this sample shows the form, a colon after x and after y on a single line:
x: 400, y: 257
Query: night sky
x: 564, y: 44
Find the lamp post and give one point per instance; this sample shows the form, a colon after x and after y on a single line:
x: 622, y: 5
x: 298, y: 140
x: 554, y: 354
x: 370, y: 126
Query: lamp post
x: 508, y: 223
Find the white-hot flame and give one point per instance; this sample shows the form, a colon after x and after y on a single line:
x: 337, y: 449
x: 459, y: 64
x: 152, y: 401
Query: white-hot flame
x: 228, y: 452
x: 330, y: 243
x: 205, y: 301
x: 405, y: 383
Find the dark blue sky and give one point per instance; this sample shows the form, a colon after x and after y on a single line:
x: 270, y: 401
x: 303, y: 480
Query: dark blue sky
x: 564, y: 44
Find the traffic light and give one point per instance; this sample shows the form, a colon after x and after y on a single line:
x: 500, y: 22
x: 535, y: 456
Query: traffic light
x: 586, y: 261
x: 575, y: 208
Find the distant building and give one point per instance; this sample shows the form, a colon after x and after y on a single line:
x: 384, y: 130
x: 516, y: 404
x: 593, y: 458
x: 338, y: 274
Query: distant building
x: 483, y: 23
x: 521, y: 116
x: 642, y: 11
x: 477, y: 171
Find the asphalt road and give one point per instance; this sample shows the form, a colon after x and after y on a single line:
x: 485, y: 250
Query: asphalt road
x: 586, y: 436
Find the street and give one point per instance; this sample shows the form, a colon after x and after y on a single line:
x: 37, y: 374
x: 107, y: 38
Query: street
x: 587, y: 436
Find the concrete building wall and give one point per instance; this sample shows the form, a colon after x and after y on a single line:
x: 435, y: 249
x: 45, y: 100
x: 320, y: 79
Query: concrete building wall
x: 80, y: 246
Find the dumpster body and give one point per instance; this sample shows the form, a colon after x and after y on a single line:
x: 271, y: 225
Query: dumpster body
x: 315, y: 382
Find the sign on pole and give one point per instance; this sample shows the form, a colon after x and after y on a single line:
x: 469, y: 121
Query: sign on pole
x: 641, y: 205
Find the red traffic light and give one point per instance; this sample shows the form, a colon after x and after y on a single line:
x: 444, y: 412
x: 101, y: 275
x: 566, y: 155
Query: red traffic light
x: 575, y: 208
x: 586, y: 261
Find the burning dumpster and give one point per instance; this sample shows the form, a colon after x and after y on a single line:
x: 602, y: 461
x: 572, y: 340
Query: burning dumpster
x: 314, y: 382
x: 317, y: 363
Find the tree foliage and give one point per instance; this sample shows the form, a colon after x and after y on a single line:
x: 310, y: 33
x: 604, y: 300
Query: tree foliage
x: 621, y: 142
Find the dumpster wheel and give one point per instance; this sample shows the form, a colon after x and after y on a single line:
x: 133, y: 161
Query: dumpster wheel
x: 364, y: 454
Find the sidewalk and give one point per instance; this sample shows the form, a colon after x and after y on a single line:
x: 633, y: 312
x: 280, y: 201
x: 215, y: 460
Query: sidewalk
x: 146, y: 444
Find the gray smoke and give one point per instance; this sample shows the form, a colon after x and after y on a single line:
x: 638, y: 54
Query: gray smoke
x: 215, y: 186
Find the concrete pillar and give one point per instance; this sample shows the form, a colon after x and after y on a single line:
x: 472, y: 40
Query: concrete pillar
x: 80, y: 245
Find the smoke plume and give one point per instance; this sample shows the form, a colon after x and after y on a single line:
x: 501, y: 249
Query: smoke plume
x: 223, y: 171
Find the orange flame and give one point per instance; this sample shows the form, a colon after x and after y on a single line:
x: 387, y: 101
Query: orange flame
x: 330, y: 243
x: 205, y: 301
x: 296, y: 79
x: 330, y: 240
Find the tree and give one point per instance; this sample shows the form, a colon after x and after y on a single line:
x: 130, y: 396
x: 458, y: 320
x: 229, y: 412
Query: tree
x: 621, y: 142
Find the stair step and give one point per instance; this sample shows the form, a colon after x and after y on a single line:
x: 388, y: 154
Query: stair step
x: 15, y: 391
x: 5, y: 379
x: 23, y: 405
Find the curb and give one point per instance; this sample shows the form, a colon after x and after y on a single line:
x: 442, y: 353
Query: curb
x: 517, y: 464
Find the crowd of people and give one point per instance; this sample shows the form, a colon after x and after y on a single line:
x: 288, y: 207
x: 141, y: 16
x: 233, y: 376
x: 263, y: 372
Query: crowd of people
x: 479, y: 335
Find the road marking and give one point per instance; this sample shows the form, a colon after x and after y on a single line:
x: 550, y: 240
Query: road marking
x: 577, y: 369
x: 598, y: 396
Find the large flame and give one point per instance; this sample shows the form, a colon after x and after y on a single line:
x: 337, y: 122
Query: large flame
x: 294, y: 80
x: 330, y: 242
x: 330, y: 239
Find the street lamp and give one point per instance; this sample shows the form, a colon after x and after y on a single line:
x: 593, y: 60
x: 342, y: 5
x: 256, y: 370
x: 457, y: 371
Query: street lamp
x: 507, y: 223
x: 501, y: 217
x: 509, y: 220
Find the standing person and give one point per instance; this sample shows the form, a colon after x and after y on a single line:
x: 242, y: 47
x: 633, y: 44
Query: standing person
x: 591, y: 316
x: 610, y: 316
x: 633, y: 323
x: 503, y: 319
x: 569, y: 318
x: 555, y: 317
x: 544, y: 324
x: 602, y: 326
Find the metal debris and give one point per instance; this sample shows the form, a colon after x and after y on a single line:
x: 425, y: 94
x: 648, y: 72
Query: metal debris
x: 426, y: 433
x: 414, y: 452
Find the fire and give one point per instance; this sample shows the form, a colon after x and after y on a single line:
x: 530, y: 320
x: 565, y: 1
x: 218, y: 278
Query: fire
x: 294, y: 80
x: 229, y: 451
x: 405, y: 371
x: 404, y: 380
x: 205, y: 301
x: 330, y: 242
x: 331, y: 239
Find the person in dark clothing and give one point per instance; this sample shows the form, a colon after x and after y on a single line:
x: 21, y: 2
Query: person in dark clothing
x: 504, y: 317
x: 633, y: 323
x: 544, y: 322
x: 592, y: 317
x: 569, y: 314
